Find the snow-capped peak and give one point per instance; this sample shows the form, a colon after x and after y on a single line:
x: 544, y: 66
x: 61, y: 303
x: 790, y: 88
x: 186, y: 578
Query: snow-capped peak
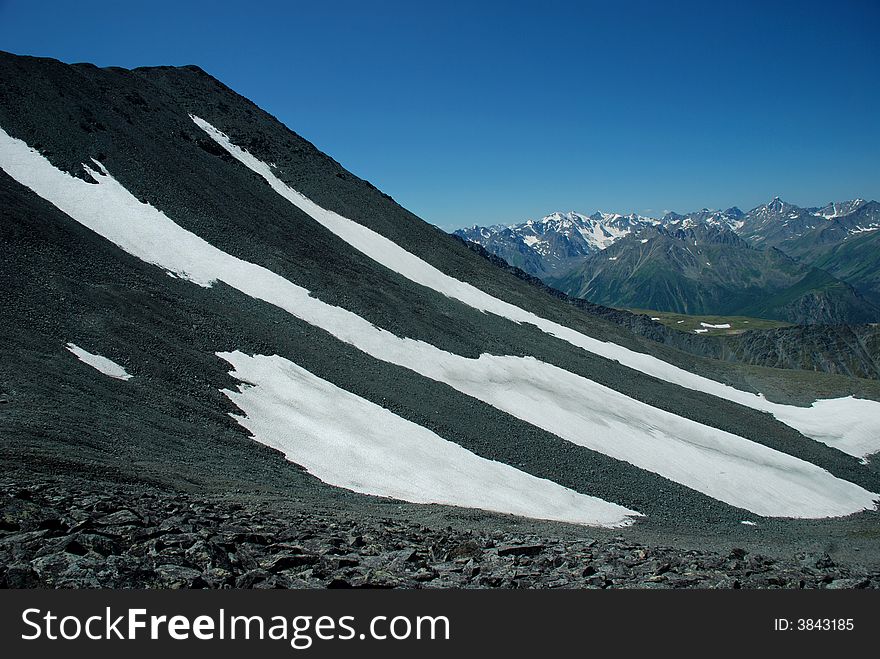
x: 840, y: 208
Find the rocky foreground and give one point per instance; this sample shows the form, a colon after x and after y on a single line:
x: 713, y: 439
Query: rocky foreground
x: 114, y: 537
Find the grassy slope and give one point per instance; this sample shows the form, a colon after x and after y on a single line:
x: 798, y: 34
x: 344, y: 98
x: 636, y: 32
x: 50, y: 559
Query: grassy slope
x: 857, y: 261
x: 673, y: 275
x: 687, y: 323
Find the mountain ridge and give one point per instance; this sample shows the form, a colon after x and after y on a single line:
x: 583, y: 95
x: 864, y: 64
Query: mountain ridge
x: 846, y: 350
x: 271, y: 254
x: 810, y: 235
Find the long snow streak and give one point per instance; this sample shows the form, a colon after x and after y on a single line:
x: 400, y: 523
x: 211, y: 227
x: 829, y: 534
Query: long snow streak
x: 722, y: 465
x: 99, y: 363
x: 350, y: 442
x: 848, y: 424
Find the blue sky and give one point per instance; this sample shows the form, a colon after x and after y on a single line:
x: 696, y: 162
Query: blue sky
x: 485, y: 112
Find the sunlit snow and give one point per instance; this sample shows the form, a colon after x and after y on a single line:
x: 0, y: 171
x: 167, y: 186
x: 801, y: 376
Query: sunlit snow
x: 99, y: 363
x: 350, y: 442
x: 856, y: 431
x: 719, y: 326
x: 603, y: 235
x: 722, y: 465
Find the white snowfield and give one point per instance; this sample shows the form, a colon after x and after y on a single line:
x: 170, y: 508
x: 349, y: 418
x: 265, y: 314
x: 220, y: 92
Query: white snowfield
x: 722, y: 465
x: 99, y: 363
x: 603, y: 235
x: 719, y: 326
x: 854, y: 427
x: 350, y: 442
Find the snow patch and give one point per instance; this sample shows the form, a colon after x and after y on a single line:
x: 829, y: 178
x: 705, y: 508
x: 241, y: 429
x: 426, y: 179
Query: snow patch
x: 99, y: 363
x: 720, y: 464
x: 700, y: 331
x: 720, y: 326
x: 603, y: 235
x: 856, y: 432
x: 350, y: 442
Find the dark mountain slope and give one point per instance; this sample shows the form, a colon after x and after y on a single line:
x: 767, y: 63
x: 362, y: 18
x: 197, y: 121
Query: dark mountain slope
x: 511, y: 247
x: 565, y: 250
x: 840, y: 349
x: 856, y: 260
x: 817, y: 298
x: 322, y: 179
x: 555, y: 242
x: 711, y: 270
x: 848, y: 350
x: 169, y: 424
x: 230, y: 207
x: 847, y: 247
x: 774, y: 223
x: 810, y: 245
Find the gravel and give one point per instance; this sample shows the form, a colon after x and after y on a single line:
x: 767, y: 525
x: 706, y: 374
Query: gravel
x: 150, y: 482
x: 60, y: 535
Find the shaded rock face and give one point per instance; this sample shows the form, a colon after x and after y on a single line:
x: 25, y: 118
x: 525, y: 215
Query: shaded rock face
x: 170, y: 428
x: 554, y: 242
x: 59, y: 535
x: 841, y: 349
x: 706, y: 269
x: 852, y: 350
x: 780, y: 261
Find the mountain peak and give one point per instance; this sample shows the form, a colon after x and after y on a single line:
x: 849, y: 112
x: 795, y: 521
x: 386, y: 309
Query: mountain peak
x: 775, y: 206
x: 734, y: 211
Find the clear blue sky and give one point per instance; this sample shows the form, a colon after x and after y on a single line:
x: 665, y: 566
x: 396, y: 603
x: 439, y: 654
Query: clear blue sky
x: 485, y: 112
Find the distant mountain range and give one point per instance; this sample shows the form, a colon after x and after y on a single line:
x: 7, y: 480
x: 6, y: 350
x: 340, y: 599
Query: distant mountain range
x: 197, y: 302
x: 778, y: 260
x: 553, y: 243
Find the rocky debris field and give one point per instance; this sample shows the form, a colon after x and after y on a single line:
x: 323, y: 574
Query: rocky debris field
x: 53, y: 536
